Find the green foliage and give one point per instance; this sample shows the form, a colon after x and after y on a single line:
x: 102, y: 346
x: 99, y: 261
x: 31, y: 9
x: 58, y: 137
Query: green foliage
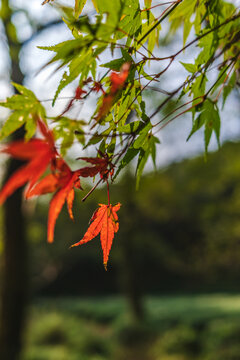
x: 190, y: 327
x: 209, y: 117
x: 229, y: 87
x: 124, y: 127
x: 26, y: 107
x: 146, y: 148
x: 79, y: 5
x: 67, y: 130
x: 192, y: 68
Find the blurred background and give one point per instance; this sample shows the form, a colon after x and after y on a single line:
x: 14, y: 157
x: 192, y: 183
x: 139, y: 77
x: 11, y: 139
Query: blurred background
x: 172, y: 288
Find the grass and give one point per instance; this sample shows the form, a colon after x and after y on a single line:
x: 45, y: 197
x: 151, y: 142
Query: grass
x: 205, y: 327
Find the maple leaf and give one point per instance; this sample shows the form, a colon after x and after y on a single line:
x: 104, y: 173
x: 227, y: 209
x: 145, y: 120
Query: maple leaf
x: 107, y: 103
x: 78, y: 96
x: 47, y: 134
x: 103, y: 166
x: 63, y: 181
x: 118, y: 79
x: 117, y: 82
x: 105, y: 222
x: 38, y: 152
x: 97, y: 86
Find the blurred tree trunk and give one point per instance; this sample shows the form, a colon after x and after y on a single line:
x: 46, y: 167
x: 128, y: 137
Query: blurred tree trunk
x: 15, y: 263
x: 130, y: 278
x: 129, y: 265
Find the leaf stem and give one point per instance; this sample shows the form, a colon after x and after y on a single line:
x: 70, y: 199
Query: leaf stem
x: 108, y: 193
x: 92, y: 189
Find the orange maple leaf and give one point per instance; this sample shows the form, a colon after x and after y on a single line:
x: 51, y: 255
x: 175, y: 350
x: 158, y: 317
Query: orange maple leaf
x: 63, y: 181
x: 105, y: 222
x: 38, y: 152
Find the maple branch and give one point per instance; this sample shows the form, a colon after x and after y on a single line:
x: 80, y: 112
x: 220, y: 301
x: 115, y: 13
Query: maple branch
x: 227, y: 76
x: 233, y: 62
x: 233, y: 18
x: 155, y: 6
x: 178, y: 108
x: 92, y: 189
x: 203, y: 97
x: 159, y: 21
x: 119, y: 155
x: 102, y: 78
x: 145, y: 86
x: 181, y: 113
x: 124, y: 46
x: 165, y: 101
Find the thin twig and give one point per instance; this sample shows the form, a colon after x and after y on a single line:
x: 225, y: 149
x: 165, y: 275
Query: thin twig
x: 159, y: 21
x: 92, y: 189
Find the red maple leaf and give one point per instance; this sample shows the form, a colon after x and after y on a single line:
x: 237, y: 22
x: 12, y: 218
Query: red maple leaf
x: 78, y: 96
x: 103, y: 166
x: 38, y: 152
x: 63, y: 181
x: 47, y: 134
x: 105, y: 222
x: 118, y: 79
x: 97, y: 86
x: 117, y: 82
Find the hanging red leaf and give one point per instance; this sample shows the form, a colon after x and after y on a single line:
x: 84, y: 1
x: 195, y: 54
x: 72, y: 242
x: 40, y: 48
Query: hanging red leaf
x: 103, y: 166
x: 63, y: 181
x: 105, y: 222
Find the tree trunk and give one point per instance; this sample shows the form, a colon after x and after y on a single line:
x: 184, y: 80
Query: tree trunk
x: 15, y: 264
x: 14, y: 284
x: 129, y: 264
x: 130, y: 279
